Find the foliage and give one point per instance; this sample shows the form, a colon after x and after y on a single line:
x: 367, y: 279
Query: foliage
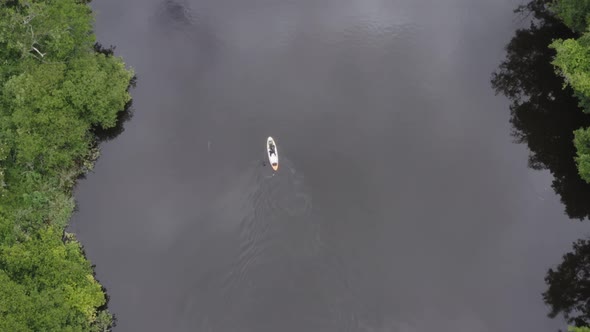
x: 582, y: 144
x: 543, y: 114
x: 56, y: 28
x: 52, y: 284
x: 573, y: 60
x: 54, y: 105
x: 574, y: 13
x: 57, y: 88
x: 578, y: 329
x: 547, y: 115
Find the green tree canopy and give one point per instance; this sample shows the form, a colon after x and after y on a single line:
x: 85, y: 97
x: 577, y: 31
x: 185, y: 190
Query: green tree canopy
x: 56, y: 89
x: 582, y: 144
x: 574, y: 13
x: 579, y: 329
x: 46, y: 285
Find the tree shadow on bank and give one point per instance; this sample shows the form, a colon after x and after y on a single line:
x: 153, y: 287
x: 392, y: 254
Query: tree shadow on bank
x: 543, y: 114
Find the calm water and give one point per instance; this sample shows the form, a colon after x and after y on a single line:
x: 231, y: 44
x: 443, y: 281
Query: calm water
x: 402, y: 203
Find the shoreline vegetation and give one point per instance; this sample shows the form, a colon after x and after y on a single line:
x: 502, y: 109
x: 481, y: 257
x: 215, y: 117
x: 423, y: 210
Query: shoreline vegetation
x: 572, y: 62
x: 547, y: 78
x: 60, y: 91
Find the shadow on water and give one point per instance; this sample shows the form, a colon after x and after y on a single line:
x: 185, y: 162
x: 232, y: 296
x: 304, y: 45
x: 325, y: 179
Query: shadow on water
x: 543, y: 113
x: 175, y: 13
x: 188, y: 37
x: 569, y: 286
x: 544, y: 116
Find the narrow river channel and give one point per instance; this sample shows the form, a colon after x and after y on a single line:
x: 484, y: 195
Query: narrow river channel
x: 401, y: 203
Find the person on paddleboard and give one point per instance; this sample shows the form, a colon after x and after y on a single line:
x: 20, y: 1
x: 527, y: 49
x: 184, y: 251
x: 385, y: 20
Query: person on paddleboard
x: 271, y: 149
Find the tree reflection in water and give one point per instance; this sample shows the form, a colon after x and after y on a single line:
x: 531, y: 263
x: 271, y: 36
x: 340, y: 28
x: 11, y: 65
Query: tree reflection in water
x: 544, y: 116
x: 543, y: 113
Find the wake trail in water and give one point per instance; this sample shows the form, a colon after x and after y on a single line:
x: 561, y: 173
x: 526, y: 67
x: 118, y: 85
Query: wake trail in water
x: 277, y: 253
x: 274, y: 201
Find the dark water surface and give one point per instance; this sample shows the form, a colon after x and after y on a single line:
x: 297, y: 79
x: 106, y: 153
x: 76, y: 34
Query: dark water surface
x: 401, y: 203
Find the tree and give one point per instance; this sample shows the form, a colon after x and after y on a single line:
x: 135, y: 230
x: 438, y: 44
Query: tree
x: 53, y: 106
x: 574, y: 13
x: 573, y: 62
x: 582, y: 144
x: 45, y: 30
x: 58, y: 88
x: 578, y: 329
x: 543, y: 114
x: 47, y: 285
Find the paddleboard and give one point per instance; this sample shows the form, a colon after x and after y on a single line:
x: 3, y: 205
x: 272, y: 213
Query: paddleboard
x: 273, y: 153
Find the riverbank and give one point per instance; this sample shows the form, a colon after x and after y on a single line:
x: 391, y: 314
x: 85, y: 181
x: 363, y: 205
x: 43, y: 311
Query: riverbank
x: 58, y: 89
x: 546, y: 76
x: 572, y: 61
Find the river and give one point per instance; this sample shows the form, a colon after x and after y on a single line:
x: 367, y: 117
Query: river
x: 401, y: 202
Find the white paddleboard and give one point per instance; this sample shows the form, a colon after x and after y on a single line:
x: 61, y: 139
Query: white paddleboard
x: 273, y: 154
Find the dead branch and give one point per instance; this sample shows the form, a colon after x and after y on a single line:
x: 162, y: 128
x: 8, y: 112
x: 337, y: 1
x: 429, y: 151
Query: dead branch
x: 36, y: 50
